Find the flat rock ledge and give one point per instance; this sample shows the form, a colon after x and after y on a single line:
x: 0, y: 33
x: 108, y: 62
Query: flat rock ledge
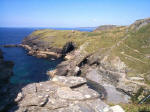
x: 61, y: 94
x: 41, y: 53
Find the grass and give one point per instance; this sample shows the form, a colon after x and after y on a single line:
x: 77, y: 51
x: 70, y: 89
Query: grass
x: 136, y: 107
x: 132, y: 51
x: 96, y: 40
x: 133, y: 54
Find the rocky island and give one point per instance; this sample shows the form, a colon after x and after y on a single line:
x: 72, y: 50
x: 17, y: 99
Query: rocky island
x: 102, y: 69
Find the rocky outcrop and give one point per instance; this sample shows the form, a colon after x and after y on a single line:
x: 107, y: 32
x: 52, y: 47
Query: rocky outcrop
x: 70, y: 46
x: 51, y: 52
x: 108, y: 78
x: 106, y: 68
x: 106, y: 87
x: 139, y: 23
x: 61, y: 94
x: 41, y: 53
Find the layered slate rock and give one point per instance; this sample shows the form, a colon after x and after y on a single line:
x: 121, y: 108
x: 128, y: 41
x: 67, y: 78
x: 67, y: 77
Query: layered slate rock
x: 104, y: 85
x: 58, y: 95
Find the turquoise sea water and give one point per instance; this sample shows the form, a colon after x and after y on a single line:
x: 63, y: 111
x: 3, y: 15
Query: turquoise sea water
x: 27, y: 68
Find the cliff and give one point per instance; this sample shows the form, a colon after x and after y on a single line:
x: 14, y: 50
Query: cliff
x: 115, y: 60
x: 120, y: 47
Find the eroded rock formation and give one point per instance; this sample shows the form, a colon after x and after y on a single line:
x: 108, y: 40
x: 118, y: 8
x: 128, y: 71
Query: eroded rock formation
x: 61, y: 94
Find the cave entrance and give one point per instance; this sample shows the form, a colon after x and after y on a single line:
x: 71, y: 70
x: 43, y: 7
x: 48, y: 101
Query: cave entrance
x: 68, y: 48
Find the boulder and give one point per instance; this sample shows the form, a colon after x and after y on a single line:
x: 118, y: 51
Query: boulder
x: 59, y: 95
x: 107, y: 89
x: 70, y: 81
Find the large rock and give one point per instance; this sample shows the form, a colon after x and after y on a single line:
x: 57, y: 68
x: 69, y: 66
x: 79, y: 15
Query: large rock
x: 107, y: 89
x: 70, y: 81
x: 57, y: 96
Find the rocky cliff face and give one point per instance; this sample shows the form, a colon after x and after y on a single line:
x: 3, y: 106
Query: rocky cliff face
x: 61, y: 94
x: 117, y: 65
x: 139, y: 23
x: 114, y: 60
x: 115, y: 51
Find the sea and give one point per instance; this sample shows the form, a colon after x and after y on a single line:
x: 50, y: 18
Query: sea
x: 27, y: 69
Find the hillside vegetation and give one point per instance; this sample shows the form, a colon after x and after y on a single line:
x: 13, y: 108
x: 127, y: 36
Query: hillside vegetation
x: 130, y: 43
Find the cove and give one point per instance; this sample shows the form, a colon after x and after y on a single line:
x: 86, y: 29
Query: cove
x: 27, y: 69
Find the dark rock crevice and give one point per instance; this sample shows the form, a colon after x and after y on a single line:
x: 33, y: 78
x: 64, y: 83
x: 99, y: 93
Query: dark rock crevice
x: 68, y: 47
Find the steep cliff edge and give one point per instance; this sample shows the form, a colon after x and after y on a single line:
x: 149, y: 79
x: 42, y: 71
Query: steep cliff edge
x: 112, y: 46
x: 116, y: 58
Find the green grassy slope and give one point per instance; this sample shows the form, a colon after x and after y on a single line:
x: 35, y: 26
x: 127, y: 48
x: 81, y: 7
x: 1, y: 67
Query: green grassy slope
x: 95, y: 40
x: 132, y: 46
x: 135, y: 52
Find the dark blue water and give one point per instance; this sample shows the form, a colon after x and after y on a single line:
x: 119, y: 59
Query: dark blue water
x: 27, y: 68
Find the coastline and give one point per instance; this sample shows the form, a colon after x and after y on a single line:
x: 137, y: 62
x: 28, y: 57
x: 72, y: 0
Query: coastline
x: 83, y: 77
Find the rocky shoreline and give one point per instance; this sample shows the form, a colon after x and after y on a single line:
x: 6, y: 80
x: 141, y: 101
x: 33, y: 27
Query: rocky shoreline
x: 61, y: 93
x: 102, y: 77
x: 96, y: 67
x: 41, y: 54
x: 85, y: 81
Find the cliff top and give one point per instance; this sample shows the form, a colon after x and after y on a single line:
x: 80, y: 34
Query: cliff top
x: 130, y: 43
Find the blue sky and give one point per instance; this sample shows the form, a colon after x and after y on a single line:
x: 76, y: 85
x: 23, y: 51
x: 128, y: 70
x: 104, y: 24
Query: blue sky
x: 71, y: 13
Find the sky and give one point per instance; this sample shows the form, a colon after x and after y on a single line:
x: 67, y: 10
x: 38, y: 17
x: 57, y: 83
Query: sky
x: 71, y: 13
